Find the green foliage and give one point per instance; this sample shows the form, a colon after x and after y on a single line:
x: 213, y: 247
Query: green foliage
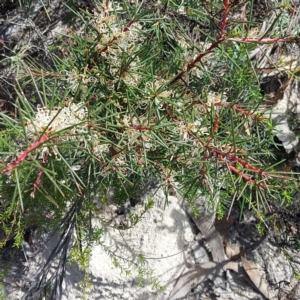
x: 294, y: 123
x: 261, y: 226
x: 29, y: 5
x: 297, y: 276
x: 136, y: 97
x: 2, y: 296
x: 296, y: 243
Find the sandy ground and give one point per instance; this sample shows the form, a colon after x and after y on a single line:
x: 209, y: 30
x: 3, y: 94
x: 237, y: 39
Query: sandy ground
x: 161, y: 237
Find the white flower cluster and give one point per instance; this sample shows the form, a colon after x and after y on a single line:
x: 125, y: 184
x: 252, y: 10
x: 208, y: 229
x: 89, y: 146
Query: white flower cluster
x: 114, y: 35
x: 98, y: 148
x: 213, y: 98
x: 184, y: 129
x: 71, y: 121
x: 71, y: 117
x: 115, y: 39
x: 136, y: 137
x: 155, y: 91
x: 132, y: 76
x: 74, y: 78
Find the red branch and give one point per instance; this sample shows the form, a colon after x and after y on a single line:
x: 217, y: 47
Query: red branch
x: 239, y: 172
x: 245, y: 112
x: 226, y: 10
x: 36, y: 183
x: 139, y: 158
x: 266, y: 40
x: 23, y: 156
x: 197, y: 59
x: 215, y: 128
x: 140, y: 128
x: 239, y: 160
x: 234, y: 159
x: 106, y: 4
x: 211, y: 48
x: 40, y: 174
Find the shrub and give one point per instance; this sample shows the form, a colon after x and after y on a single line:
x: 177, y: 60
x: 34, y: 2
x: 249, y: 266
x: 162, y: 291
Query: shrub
x: 142, y: 91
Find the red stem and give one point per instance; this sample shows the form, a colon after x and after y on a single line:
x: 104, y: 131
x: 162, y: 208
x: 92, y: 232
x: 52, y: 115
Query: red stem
x: 215, y: 128
x: 239, y: 160
x: 40, y: 174
x: 222, y: 155
x: 36, y: 183
x: 197, y: 59
x: 106, y: 4
x: 226, y: 10
x: 266, y: 40
x: 245, y: 112
x: 140, y: 128
x: 210, y: 49
x: 23, y: 156
x: 240, y: 173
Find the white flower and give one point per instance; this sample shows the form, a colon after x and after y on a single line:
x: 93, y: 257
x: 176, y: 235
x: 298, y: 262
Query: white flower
x: 148, y: 145
x: 99, y: 149
x: 183, y: 132
x: 71, y: 117
x: 184, y: 129
x: 213, y: 98
x: 181, y: 9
